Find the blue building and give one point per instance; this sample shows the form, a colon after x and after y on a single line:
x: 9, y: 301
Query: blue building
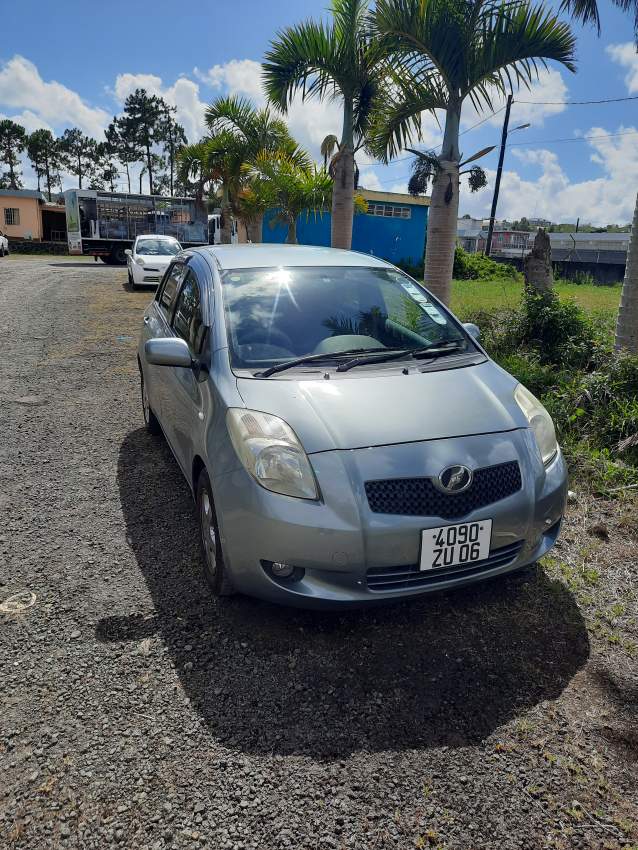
x: 394, y: 228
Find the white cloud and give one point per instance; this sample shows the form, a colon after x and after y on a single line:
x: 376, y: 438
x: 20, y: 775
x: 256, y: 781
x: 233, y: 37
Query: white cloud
x: 369, y: 180
x: 51, y: 103
x: 183, y: 94
x: 604, y: 199
x: 627, y: 57
x: 239, y: 76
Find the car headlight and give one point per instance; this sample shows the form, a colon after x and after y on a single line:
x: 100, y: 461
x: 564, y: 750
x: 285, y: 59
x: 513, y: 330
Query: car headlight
x: 139, y: 261
x: 539, y: 421
x: 269, y: 449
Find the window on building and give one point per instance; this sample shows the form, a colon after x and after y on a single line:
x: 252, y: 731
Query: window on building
x: 11, y: 215
x: 389, y: 211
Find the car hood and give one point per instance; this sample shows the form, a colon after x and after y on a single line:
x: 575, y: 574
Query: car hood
x: 155, y: 259
x: 382, y: 409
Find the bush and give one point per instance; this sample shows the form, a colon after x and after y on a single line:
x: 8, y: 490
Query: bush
x: 566, y: 360
x: 479, y: 267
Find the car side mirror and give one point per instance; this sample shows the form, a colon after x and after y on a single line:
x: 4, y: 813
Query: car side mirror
x: 128, y: 252
x: 168, y: 351
x: 472, y: 329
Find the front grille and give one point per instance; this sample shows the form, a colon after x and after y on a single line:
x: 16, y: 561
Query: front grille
x: 401, y: 578
x: 419, y: 496
x: 149, y: 278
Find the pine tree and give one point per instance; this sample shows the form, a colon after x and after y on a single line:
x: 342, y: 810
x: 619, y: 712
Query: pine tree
x: 13, y: 139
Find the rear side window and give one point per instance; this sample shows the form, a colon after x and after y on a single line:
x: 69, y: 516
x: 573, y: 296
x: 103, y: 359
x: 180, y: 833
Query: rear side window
x: 168, y: 291
x: 188, y: 319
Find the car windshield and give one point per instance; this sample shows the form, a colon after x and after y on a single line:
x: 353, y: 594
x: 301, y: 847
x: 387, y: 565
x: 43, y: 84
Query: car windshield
x: 158, y: 247
x: 279, y: 314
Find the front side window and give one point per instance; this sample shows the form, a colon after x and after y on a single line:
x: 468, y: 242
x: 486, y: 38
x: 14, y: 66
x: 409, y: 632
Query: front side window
x: 11, y: 215
x: 188, y: 321
x: 158, y: 247
x: 167, y: 292
x: 278, y: 314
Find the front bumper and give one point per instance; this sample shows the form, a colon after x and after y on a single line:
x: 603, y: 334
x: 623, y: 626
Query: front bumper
x: 343, y: 547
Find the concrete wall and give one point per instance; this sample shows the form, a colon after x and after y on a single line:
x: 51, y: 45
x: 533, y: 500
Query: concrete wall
x: 392, y: 239
x: 30, y: 222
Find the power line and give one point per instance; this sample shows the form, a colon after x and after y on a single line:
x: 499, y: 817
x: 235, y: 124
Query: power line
x: 573, y: 139
x: 576, y: 102
x: 482, y: 121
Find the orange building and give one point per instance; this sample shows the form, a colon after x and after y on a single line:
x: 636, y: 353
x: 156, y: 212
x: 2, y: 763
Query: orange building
x: 26, y: 214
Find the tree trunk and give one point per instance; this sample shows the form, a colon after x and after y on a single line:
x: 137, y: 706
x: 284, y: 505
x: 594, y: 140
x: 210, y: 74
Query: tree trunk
x: 343, y: 189
x: 79, y: 173
x: 128, y: 177
x: 227, y: 221
x: 627, y: 324
x: 254, y: 228
x: 48, y: 176
x: 12, y: 176
x: 150, y: 171
x: 172, y: 161
x: 443, y: 212
x: 291, y: 239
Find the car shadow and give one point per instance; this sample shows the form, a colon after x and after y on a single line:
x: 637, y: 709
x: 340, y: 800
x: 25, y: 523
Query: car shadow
x: 83, y: 265
x: 444, y: 669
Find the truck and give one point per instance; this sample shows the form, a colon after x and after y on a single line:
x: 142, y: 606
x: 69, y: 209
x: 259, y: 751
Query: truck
x: 105, y: 224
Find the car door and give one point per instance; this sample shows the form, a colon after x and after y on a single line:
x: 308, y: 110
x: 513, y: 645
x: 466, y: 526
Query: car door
x: 182, y: 392
x: 157, y: 323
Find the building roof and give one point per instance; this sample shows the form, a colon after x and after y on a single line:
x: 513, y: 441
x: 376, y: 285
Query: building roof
x: 395, y: 198
x: 265, y: 255
x: 22, y: 193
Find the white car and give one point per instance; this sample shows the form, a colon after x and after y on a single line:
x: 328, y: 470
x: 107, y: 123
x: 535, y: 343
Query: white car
x: 149, y: 258
x: 4, y: 244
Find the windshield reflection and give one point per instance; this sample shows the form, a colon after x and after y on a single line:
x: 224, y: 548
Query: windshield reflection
x: 275, y: 315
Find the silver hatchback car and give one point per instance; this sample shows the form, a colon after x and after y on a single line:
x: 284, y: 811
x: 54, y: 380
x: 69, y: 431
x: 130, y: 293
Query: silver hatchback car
x: 346, y: 438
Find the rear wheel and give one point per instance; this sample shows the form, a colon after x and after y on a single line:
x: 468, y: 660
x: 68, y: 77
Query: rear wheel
x: 150, y: 420
x: 214, y: 567
x: 117, y: 257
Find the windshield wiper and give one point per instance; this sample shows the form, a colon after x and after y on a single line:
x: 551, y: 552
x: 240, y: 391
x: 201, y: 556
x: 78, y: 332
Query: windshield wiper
x: 380, y: 357
x: 312, y: 358
x: 437, y: 349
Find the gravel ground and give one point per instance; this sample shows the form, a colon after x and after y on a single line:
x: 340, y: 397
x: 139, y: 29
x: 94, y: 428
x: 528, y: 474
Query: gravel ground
x: 138, y: 712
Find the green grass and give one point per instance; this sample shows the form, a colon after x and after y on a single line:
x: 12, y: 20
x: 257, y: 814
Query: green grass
x: 472, y: 296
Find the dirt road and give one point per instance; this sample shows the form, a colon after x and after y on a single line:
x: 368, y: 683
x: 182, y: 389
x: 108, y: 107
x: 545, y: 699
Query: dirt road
x: 137, y: 712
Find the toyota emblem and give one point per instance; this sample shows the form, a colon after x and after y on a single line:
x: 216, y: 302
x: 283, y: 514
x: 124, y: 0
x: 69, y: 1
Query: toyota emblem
x: 454, y: 479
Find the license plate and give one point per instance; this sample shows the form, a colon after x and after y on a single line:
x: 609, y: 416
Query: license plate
x: 455, y: 545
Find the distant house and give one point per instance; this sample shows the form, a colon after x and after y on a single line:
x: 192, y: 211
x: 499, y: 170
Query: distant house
x: 394, y: 227
x: 26, y: 214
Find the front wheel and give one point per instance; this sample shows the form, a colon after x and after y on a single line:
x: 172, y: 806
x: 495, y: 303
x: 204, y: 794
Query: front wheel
x: 131, y: 281
x: 214, y: 567
x: 150, y: 420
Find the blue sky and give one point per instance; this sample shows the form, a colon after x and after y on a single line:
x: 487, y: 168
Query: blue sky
x: 62, y: 66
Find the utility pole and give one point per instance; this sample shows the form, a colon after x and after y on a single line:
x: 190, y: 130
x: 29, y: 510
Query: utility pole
x: 497, y: 184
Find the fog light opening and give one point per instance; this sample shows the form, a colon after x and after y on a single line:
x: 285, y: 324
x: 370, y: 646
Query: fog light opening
x: 281, y: 572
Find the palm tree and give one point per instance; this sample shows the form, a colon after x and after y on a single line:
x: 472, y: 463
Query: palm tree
x: 219, y: 161
x: 295, y: 188
x: 239, y: 133
x: 627, y: 322
x: 338, y: 61
x: 329, y: 145
x: 438, y: 54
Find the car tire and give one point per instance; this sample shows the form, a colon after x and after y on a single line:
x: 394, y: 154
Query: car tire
x: 210, y: 540
x: 150, y: 420
x: 131, y: 282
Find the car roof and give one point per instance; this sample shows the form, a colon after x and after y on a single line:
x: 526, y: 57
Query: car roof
x: 267, y: 255
x: 156, y: 236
